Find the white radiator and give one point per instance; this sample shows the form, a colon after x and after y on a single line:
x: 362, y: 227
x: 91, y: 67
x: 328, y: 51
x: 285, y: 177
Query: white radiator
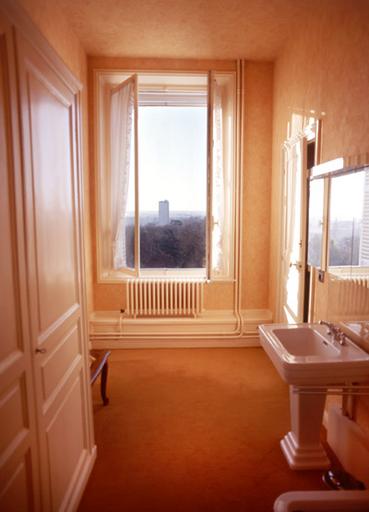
x: 163, y: 297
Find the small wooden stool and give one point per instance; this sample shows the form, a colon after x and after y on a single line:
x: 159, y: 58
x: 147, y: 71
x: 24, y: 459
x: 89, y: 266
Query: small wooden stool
x: 100, y: 365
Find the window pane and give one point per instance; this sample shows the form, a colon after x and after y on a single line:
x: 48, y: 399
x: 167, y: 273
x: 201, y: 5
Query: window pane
x: 346, y: 226
x: 130, y: 212
x: 316, y: 208
x: 172, y: 185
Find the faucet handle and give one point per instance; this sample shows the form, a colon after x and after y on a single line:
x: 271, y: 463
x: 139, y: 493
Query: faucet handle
x: 328, y: 324
x: 342, y: 337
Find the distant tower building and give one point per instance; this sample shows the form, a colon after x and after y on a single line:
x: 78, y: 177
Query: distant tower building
x: 163, y: 213
x: 364, y: 241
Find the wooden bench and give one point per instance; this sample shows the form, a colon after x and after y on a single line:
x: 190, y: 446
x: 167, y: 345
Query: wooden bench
x: 100, y: 366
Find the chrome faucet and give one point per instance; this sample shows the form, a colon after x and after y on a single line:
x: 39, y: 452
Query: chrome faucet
x: 335, y: 331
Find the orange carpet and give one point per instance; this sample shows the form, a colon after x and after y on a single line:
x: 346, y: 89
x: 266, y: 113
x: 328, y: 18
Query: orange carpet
x: 191, y: 430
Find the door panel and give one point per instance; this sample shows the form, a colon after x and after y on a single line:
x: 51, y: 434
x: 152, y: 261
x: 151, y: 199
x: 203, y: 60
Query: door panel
x: 294, y: 232
x: 67, y: 454
x: 51, y: 117
x: 65, y: 355
x: 13, y: 408
x: 54, y: 259
x: 18, y: 449
x: 17, y: 494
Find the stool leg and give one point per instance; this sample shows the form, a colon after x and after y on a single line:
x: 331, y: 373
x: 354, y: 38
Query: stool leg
x: 104, y: 377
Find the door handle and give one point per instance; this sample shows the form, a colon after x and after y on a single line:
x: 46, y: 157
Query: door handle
x: 40, y: 350
x: 297, y: 264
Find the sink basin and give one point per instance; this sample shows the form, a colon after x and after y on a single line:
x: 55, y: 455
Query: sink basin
x: 310, y: 361
x: 306, y: 354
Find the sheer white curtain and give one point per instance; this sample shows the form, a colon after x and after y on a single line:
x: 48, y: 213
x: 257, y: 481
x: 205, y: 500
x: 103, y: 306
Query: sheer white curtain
x: 218, y: 185
x: 223, y: 168
x: 121, y: 135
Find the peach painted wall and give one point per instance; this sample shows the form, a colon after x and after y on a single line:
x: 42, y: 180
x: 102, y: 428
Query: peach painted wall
x: 256, y: 183
x: 324, y: 69
x: 257, y: 163
x: 55, y: 27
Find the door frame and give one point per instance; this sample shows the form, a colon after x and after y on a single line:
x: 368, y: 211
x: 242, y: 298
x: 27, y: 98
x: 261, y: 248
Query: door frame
x: 311, y: 131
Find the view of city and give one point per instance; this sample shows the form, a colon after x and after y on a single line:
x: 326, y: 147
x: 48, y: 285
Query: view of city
x: 172, y: 188
x: 344, y: 243
x: 349, y: 221
x: 168, y: 239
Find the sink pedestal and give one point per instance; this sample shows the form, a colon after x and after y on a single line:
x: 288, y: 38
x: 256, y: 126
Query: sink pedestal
x: 310, y: 360
x: 301, y: 446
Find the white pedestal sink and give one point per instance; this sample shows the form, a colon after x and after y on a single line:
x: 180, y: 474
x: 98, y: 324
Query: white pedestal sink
x: 310, y: 360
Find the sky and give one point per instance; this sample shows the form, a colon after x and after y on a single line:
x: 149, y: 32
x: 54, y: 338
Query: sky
x: 172, y: 158
x: 347, y: 197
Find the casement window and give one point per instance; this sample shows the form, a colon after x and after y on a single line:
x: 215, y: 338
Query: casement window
x: 166, y: 175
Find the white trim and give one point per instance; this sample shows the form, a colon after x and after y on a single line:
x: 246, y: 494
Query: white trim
x: 215, y: 328
x: 82, y: 475
x: 118, y: 276
x: 107, y: 78
x: 307, y: 133
x: 154, y: 344
x: 346, y: 164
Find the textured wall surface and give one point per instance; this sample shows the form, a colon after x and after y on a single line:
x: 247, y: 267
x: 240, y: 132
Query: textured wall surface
x: 324, y: 69
x: 56, y: 27
x: 53, y: 24
x: 252, y: 29
x: 258, y: 111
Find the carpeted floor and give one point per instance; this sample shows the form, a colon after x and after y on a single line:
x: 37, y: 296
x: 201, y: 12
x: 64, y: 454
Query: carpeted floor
x: 191, y: 430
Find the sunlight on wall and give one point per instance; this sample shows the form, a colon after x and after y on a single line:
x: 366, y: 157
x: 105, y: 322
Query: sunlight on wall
x: 306, y: 80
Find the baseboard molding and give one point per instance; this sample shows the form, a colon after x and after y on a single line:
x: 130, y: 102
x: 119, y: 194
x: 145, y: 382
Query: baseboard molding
x: 150, y: 343
x: 220, y: 328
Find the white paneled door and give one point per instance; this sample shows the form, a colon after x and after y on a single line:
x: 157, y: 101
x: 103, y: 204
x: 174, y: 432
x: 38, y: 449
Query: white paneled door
x: 46, y: 442
x: 49, y: 109
x: 293, y: 257
x: 18, y: 443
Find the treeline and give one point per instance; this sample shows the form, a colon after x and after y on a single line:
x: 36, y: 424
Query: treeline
x: 342, y: 251
x: 180, y: 245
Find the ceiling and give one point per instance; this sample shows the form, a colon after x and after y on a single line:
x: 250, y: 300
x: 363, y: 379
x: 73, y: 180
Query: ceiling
x: 215, y: 29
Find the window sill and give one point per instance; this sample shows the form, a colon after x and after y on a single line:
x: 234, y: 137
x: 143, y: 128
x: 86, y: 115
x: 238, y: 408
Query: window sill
x: 118, y: 277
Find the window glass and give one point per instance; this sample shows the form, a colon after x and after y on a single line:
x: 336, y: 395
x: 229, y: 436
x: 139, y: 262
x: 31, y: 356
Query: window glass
x: 348, y: 219
x: 130, y: 213
x: 172, y: 186
x: 315, y: 227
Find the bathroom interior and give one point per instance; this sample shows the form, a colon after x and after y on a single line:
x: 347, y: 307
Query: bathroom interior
x: 237, y: 383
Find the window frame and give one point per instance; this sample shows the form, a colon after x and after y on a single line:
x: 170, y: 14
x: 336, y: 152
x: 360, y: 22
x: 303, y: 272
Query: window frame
x: 107, y: 79
x: 326, y: 171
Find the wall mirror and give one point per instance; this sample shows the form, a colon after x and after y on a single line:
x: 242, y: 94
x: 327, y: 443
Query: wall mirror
x: 348, y: 251
x: 338, y: 226
x: 315, y: 222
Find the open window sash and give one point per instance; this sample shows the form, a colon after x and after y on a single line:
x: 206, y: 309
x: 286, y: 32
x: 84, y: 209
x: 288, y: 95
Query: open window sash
x: 123, y: 145
x: 221, y: 133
